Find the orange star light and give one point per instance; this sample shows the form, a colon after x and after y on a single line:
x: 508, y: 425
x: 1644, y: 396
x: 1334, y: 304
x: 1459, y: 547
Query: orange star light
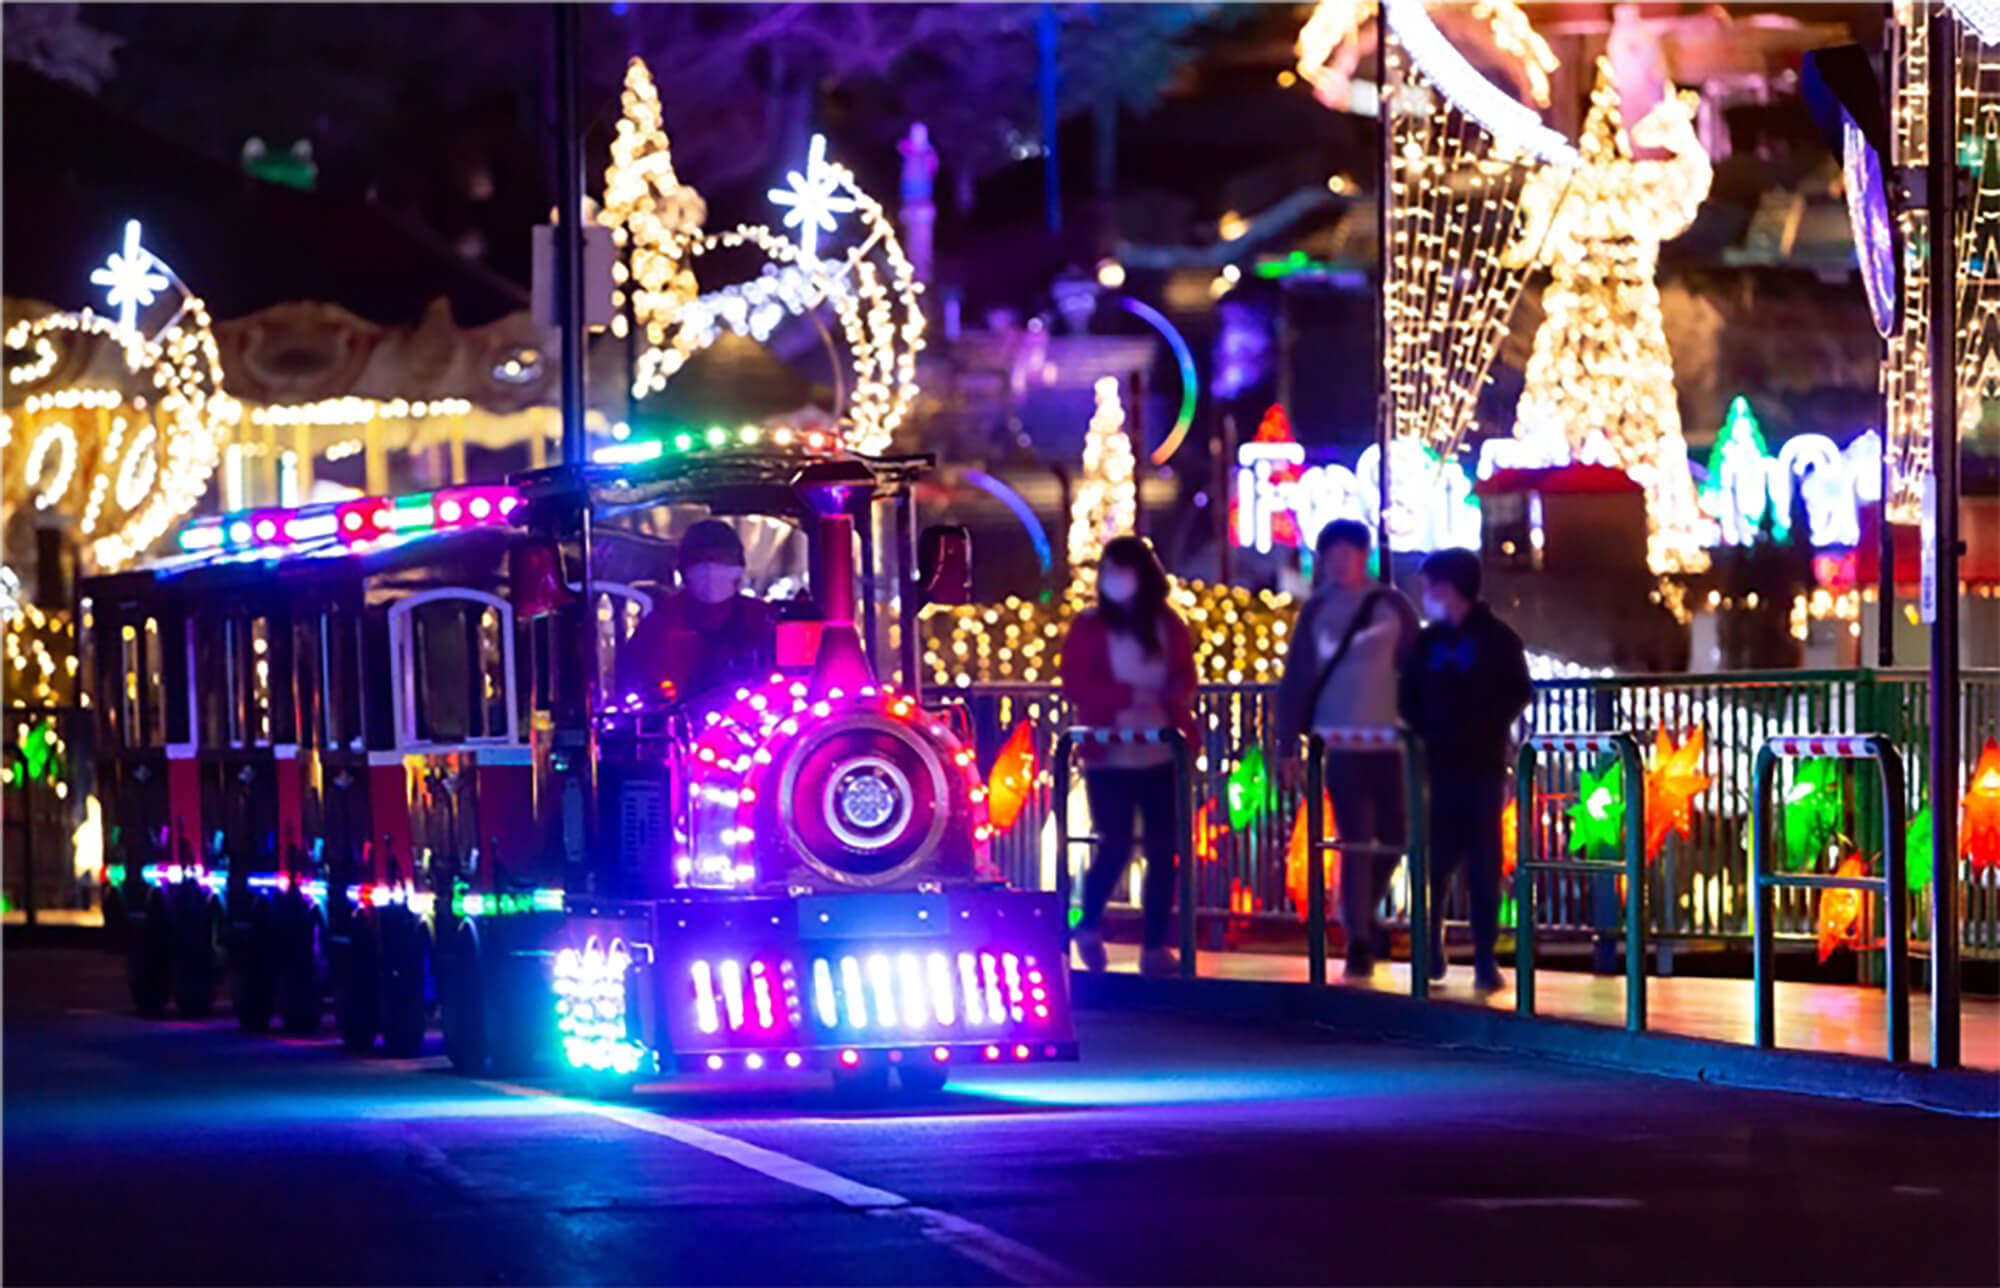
x: 1012, y: 780
x: 1839, y: 910
x: 1295, y: 858
x: 1671, y: 786
x: 1979, y: 819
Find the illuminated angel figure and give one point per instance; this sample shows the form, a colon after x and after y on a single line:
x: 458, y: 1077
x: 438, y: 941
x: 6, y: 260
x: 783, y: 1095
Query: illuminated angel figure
x: 1600, y: 363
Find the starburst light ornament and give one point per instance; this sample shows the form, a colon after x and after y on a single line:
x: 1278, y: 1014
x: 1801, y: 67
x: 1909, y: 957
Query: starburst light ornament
x: 131, y: 278
x: 1672, y: 783
x: 812, y: 200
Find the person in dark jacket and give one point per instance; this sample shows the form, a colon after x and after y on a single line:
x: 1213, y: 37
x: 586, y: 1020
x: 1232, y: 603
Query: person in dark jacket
x: 1462, y: 691
x: 704, y: 636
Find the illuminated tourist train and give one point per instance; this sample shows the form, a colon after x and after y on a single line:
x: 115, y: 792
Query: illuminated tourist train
x: 372, y: 748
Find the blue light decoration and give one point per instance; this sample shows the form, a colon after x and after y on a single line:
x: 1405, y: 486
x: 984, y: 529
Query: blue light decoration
x: 1184, y: 359
x: 1020, y: 509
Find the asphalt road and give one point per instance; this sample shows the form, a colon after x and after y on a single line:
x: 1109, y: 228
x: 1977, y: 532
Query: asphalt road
x: 1178, y: 1152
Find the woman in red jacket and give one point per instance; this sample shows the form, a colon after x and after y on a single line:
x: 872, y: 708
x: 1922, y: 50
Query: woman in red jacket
x: 1129, y: 664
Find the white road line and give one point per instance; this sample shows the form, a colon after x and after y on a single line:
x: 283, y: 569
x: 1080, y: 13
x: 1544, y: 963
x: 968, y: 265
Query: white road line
x: 1549, y: 1201
x: 1008, y: 1258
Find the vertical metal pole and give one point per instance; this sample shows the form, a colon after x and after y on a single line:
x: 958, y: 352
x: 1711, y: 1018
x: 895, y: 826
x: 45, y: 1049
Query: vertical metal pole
x: 909, y: 653
x: 1885, y: 571
x: 1416, y: 835
x: 1059, y: 802
x: 1635, y: 885
x: 1524, y: 880
x: 1190, y: 865
x: 1942, y: 175
x: 1764, y: 992
x: 1315, y: 861
x: 569, y: 234
x: 1895, y: 899
x: 1385, y: 415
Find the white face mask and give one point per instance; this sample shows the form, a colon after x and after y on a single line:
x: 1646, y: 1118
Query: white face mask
x: 1119, y: 585
x: 711, y: 583
x: 1434, y: 609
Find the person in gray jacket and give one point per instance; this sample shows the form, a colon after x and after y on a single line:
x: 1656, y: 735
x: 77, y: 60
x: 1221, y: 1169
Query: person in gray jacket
x: 1342, y: 671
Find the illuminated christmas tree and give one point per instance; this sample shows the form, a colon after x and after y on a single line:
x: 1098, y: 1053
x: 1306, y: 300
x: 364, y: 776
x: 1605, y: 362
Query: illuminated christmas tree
x: 1107, y: 496
x: 1600, y: 363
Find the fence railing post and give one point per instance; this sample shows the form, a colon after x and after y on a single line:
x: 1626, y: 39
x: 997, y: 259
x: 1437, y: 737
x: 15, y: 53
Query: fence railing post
x: 1892, y: 886
x: 1315, y: 860
x: 1633, y: 866
x: 1186, y: 881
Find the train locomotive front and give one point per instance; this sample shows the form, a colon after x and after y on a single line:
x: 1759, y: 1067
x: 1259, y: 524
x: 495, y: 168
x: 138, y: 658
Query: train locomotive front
x: 818, y: 843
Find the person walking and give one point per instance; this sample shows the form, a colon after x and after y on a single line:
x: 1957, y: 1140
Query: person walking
x: 1341, y: 672
x: 1463, y: 689
x: 1128, y: 663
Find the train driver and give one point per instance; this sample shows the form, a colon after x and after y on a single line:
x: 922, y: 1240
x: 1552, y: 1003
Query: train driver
x: 705, y: 635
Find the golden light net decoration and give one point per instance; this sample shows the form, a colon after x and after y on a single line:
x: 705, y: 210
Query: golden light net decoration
x: 1906, y: 367
x: 1240, y: 636
x: 1600, y: 365
x: 1461, y: 153
x: 870, y: 285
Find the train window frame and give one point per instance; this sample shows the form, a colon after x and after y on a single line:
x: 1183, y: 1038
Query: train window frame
x: 615, y: 624
x: 403, y: 670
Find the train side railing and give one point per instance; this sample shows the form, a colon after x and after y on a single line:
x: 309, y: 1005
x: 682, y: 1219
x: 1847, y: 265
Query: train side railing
x: 1697, y: 888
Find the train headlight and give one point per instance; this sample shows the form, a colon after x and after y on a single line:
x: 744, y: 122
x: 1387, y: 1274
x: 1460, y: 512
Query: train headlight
x: 868, y: 801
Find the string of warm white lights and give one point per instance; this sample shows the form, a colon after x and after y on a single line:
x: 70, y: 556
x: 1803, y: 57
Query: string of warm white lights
x: 1600, y: 363
x: 352, y: 410
x: 1455, y: 211
x: 871, y: 287
x: 1107, y: 494
x: 1906, y: 368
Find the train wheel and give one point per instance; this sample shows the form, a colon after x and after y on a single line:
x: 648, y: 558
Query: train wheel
x: 149, y: 958
x: 406, y: 1010
x: 194, y: 918
x: 357, y: 988
x: 301, y: 995
x: 462, y: 1004
x: 253, y: 969
x: 923, y: 1079
x: 863, y: 1085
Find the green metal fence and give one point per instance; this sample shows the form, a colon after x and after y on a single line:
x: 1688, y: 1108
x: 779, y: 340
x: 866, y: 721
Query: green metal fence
x: 1697, y: 883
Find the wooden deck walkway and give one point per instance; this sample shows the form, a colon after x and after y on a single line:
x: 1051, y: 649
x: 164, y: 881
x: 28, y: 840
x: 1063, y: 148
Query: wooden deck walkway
x: 1820, y: 1017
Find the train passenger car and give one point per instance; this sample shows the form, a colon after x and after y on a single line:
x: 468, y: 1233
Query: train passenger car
x: 376, y: 745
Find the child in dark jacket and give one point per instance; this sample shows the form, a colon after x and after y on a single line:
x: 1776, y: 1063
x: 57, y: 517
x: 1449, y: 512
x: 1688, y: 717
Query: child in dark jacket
x: 1462, y: 691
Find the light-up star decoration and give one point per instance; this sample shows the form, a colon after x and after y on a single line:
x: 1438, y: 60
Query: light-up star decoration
x: 1597, y: 816
x: 130, y: 278
x: 812, y: 200
x: 1672, y: 783
x: 1979, y: 820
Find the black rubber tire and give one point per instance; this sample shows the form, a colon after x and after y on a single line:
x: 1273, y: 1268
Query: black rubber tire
x: 253, y: 969
x: 406, y: 1007
x: 462, y: 1004
x: 195, y: 919
x: 149, y: 958
x: 923, y: 1079
x: 301, y: 979
x: 357, y: 990
x: 867, y: 1084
